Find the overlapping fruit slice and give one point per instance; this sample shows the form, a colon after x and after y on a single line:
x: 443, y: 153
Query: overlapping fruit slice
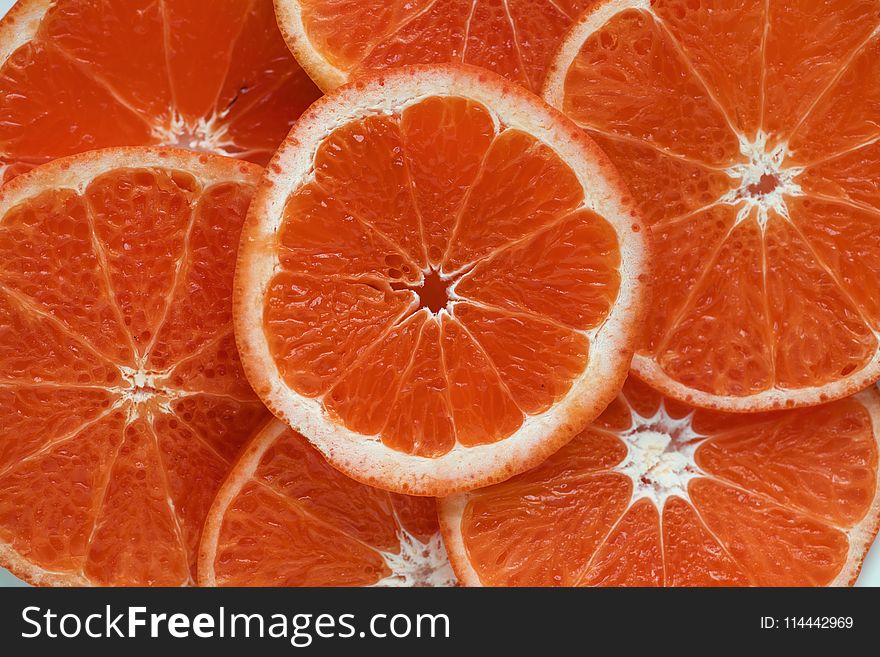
x: 657, y: 493
x: 284, y: 517
x: 338, y: 40
x: 748, y: 133
x: 210, y: 76
x: 122, y: 400
x: 439, y: 281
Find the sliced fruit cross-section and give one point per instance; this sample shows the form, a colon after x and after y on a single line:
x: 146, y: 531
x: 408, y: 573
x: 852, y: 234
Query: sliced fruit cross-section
x: 76, y: 75
x: 122, y: 399
x: 339, y: 40
x: 749, y: 135
x: 284, y: 517
x: 657, y: 493
x: 439, y: 280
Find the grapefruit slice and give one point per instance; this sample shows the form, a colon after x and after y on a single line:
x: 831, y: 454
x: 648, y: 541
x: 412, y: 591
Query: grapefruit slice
x: 657, y: 493
x: 284, y: 517
x: 76, y: 75
x: 122, y: 401
x: 339, y: 40
x: 749, y: 135
x: 439, y: 280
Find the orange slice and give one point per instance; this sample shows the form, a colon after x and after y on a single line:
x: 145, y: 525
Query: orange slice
x: 657, y: 493
x: 122, y: 401
x: 284, y: 517
x: 749, y: 135
x: 210, y: 76
x: 438, y: 282
x: 339, y: 40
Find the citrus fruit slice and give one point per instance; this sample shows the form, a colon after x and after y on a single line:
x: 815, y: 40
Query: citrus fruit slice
x: 438, y: 282
x: 76, y: 75
x: 122, y: 401
x: 658, y: 493
x: 339, y: 40
x: 284, y: 517
x: 749, y: 135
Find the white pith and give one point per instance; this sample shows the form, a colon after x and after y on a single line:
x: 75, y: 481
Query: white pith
x: 205, y: 135
x: 366, y: 457
x: 417, y: 563
x: 645, y: 456
x: 660, y: 456
x: 762, y: 154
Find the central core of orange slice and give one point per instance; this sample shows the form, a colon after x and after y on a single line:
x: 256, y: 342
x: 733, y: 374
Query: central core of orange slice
x: 763, y: 181
x: 433, y: 291
x: 660, y: 455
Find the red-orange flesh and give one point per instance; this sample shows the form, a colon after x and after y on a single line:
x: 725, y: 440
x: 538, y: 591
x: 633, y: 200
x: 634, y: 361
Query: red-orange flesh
x: 213, y: 76
x: 122, y: 399
x: 657, y: 493
x: 749, y: 138
x: 437, y: 278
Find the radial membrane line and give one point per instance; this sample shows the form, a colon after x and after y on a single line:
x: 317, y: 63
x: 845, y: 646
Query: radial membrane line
x: 844, y: 67
x: 101, y: 255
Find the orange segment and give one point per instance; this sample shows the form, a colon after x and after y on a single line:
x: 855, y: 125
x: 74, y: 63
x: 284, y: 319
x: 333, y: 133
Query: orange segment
x: 215, y: 368
x: 844, y: 238
x: 523, y: 186
x: 25, y: 337
x: 414, y: 282
x: 199, y: 305
x: 826, y: 473
x: 143, y: 219
x: 807, y: 46
x: 212, y: 77
x: 320, y: 326
x: 294, y: 469
x: 729, y: 294
x: 198, y: 60
x: 764, y: 537
x: 51, y: 501
x: 643, y: 98
x: 631, y: 554
x: 420, y: 420
x: 37, y: 77
x: 849, y: 177
x: 667, y: 188
x: 681, y: 249
x: 135, y: 510
x: 363, y: 397
x: 319, y: 236
x: 41, y: 415
x: 371, y: 152
x: 482, y: 407
x: 118, y: 449
x: 699, y: 498
x: 74, y: 289
x: 567, y: 273
x: 743, y: 24
x: 276, y: 543
x: 692, y: 554
x: 536, y: 359
x: 339, y: 40
x: 432, y: 34
x: 97, y: 36
x: 727, y: 119
x: 443, y: 171
x: 844, y: 117
x: 284, y: 517
x: 501, y: 529
x: 840, y: 341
